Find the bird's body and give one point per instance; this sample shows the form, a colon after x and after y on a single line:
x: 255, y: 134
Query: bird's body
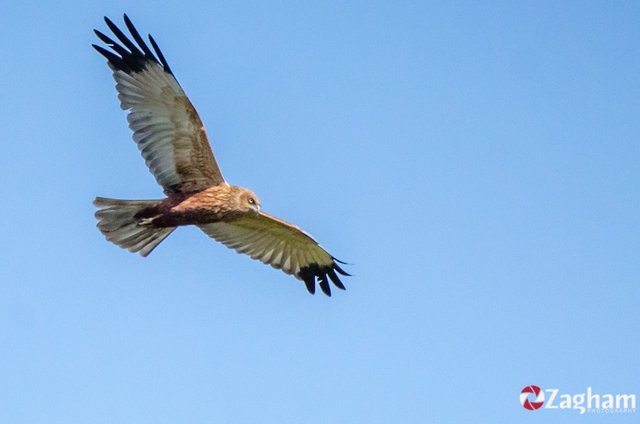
x: 175, y: 146
x: 213, y: 204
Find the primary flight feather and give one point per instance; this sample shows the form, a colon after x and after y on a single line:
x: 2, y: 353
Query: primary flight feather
x: 175, y: 147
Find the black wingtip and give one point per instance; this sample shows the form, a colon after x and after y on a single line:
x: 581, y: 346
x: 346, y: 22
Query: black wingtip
x: 340, y: 270
x: 312, y: 272
x: 339, y: 261
x: 136, y: 54
x: 309, y: 282
x: 112, y: 26
x: 324, y: 284
x: 138, y: 39
x: 165, y: 65
x: 336, y: 280
x: 114, y: 60
x: 99, y: 34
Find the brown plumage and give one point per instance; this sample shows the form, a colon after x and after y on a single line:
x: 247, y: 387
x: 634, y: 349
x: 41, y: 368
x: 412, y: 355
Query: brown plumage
x: 175, y: 147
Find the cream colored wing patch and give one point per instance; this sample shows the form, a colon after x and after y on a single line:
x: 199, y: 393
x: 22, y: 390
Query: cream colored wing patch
x: 165, y: 125
x: 281, y: 245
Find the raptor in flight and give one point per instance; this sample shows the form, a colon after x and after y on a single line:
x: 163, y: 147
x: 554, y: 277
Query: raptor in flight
x: 175, y: 147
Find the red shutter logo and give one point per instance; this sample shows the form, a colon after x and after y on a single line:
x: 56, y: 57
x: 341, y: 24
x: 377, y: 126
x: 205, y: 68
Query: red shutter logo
x: 532, y: 397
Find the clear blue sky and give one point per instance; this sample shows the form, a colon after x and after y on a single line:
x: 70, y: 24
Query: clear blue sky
x: 478, y: 162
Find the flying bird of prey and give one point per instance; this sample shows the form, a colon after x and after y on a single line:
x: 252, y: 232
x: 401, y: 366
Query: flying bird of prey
x: 175, y: 147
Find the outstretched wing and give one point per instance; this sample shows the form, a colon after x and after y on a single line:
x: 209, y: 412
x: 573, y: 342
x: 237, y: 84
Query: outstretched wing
x: 166, y: 126
x: 281, y: 245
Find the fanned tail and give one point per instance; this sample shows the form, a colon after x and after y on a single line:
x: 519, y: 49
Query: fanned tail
x: 118, y: 221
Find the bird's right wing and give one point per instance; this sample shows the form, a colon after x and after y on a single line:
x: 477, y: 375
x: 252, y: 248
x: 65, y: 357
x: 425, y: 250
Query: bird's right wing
x: 281, y: 245
x: 166, y: 126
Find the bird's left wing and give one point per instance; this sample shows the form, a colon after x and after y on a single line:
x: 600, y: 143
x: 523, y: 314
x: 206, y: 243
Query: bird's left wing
x: 165, y: 125
x: 281, y: 245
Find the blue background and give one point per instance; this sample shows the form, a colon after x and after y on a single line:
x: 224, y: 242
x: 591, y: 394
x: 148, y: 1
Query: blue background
x: 478, y: 162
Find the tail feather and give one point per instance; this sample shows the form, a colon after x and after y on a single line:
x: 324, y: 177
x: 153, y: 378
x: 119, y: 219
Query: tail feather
x: 118, y: 222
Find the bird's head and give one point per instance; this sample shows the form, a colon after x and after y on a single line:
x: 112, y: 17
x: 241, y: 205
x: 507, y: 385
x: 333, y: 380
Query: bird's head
x: 247, y: 201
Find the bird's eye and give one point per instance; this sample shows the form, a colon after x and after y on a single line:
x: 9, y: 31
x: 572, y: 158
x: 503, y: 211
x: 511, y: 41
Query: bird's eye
x: 251, y: 201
